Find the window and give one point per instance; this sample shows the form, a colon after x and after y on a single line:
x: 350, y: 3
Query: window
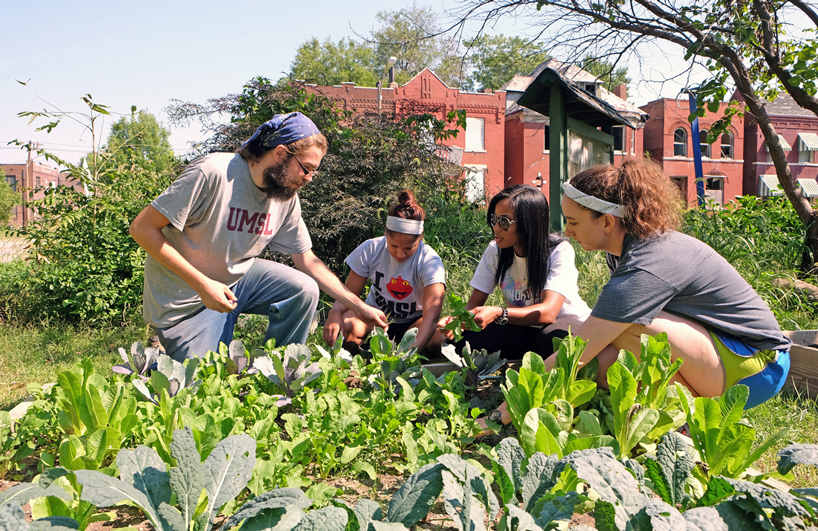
x: 680, y: 143
x: 714, y: 189
x: 475, y: 134
x: 547, y: 142
x: 619, y: 138
x: 12, y: 180
x: 727, y: 145
x: 681, y: 183
x: 704, y: 145
x: 807, y: 146
x: 36, y: 180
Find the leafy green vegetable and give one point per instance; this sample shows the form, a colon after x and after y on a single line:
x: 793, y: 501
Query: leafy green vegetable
x: 461, y: 317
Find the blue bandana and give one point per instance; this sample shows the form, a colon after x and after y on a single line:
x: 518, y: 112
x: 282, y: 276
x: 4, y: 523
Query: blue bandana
x: 283, y: 129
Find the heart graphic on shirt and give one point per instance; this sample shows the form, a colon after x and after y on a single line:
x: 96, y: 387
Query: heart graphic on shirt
x: 399, y: 288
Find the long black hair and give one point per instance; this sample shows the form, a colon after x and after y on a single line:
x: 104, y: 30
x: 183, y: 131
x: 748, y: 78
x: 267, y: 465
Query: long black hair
x: 532, y: 215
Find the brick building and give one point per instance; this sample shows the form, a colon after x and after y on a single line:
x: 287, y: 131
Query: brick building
x: 527, y: 132
x: 797, y: 130
x: 31, y: 176
x: 480, y: 149
x: 668, y: 139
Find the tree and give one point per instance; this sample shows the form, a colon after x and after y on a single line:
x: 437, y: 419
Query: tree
x: 606, y: 72
x: 414, y: 37
x: 8, y: 198
x: 139, y: 140
x: 330, y: 64
x: 748, y: 44
x: 497, y: 59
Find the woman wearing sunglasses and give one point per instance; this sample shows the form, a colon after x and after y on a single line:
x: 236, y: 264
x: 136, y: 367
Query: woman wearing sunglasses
x: 407, y: 281
x: 536, y: 274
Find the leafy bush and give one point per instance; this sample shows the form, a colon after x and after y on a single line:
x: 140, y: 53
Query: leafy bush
x: 88, y: 269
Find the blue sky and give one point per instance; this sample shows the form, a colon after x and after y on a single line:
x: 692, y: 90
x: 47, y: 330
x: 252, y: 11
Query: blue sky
x: 151, y: 52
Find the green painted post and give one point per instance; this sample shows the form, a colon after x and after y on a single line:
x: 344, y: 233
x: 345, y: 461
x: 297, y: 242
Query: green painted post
x: 557, y: 157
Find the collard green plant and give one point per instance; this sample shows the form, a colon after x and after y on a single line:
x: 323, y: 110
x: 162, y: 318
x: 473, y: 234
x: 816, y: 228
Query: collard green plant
x: 670, y: 469
x: 169, y: 379
x: 462, y: 319
x: 138, y: 362
x: 293, y: 372
x: 721, y: 435
x: 395, y: 360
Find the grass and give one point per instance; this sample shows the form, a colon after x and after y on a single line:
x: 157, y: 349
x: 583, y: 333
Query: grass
x: 36, y: 354
x: 800, y: 414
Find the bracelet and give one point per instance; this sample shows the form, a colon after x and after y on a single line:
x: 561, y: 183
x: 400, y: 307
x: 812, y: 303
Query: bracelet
x: 503, y: 319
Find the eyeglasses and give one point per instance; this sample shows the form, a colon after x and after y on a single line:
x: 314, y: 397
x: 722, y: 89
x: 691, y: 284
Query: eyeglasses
x: 314, y: 172
x: 505, y: 222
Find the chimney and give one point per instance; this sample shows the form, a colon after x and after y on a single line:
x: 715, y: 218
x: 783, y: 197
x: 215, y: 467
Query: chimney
x: 621, y: 91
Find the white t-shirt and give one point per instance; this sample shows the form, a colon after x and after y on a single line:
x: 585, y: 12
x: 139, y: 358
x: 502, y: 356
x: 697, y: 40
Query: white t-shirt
x: 397, y: 287
x: 562, y: 278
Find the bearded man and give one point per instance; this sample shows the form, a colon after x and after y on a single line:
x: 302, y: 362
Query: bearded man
x: 204, y: 233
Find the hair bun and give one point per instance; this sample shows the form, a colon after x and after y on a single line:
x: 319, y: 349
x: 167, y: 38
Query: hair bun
x: 407, y: 207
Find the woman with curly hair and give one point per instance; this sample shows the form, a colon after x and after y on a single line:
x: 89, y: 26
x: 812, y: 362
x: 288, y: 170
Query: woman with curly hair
x: 665, y: 281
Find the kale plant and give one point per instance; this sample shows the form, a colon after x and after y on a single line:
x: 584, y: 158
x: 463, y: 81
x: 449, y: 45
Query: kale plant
x: 477, y: 366
x: 293, y: 372
x: 138, y: 362
x: 170, y: 377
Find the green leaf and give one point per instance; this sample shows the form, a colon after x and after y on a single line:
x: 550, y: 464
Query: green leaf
x: 539, y: 433
x: 143, y: 469
x: 797, y: 454
x: 227, y: 471
x: 326, y: 519
x: 367, y: 511
x: 416, y: 496
x: 105, y: 491
x: 186, y: 478
x: 366, y: 468
x: 281, y: 498
x: 538, y: 479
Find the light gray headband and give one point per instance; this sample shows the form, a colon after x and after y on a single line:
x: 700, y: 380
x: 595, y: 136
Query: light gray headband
x: 404, y: 226
x: 594, y: 203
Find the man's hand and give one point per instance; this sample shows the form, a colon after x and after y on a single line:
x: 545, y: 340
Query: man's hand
x: 371, y: 316
x: 216, y: 296
x: 333, y: 326
x: 485, y: 315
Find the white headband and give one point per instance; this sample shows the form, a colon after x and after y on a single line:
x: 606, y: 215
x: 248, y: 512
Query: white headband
x: 594, y: 203
x: 404, y: 226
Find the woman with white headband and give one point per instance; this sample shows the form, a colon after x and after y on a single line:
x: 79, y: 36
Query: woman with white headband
x: 665, y: 281
x: 407, y: 280
x: 535, y: 271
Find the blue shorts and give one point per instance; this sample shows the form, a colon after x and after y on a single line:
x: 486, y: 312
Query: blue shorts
x: 763, y: 371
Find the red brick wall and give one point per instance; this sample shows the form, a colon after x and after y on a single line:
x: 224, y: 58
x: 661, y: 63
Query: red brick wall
x: 24, y: 178
x: 667, y: 115
x: 427, y: 92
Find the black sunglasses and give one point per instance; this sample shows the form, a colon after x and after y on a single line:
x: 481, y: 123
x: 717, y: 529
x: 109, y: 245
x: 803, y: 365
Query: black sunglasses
x: 505, y: 222
x: 305, y: 170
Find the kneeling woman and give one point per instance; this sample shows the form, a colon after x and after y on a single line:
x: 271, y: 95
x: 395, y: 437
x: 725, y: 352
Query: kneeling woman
x: 665, y: 281
x: 536, y: 273
x: 407, y: 280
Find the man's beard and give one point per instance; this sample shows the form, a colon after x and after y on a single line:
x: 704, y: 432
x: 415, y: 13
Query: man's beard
x: 275, y: 179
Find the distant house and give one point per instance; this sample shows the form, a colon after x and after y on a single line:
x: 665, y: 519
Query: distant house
x: 527, y: 132
x: 32, y: 176
x: 669, y: 140
x: 797, y: 130
x: 479, y: 149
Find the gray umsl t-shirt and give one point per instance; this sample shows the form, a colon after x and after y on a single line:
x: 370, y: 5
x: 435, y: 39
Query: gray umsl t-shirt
x: 219, y: 221
x: 679, y: 274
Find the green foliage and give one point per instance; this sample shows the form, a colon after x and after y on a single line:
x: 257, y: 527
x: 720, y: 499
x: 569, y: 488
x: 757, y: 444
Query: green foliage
x: 462, y: 319
x: 721, y: 436
x: 497, y: 59
x: 327, y: 64
x: 8, y: 198
x: 88, y: 267
x: 137, y: 143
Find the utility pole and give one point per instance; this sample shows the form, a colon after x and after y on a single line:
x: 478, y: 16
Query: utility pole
x: 27, y: 179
